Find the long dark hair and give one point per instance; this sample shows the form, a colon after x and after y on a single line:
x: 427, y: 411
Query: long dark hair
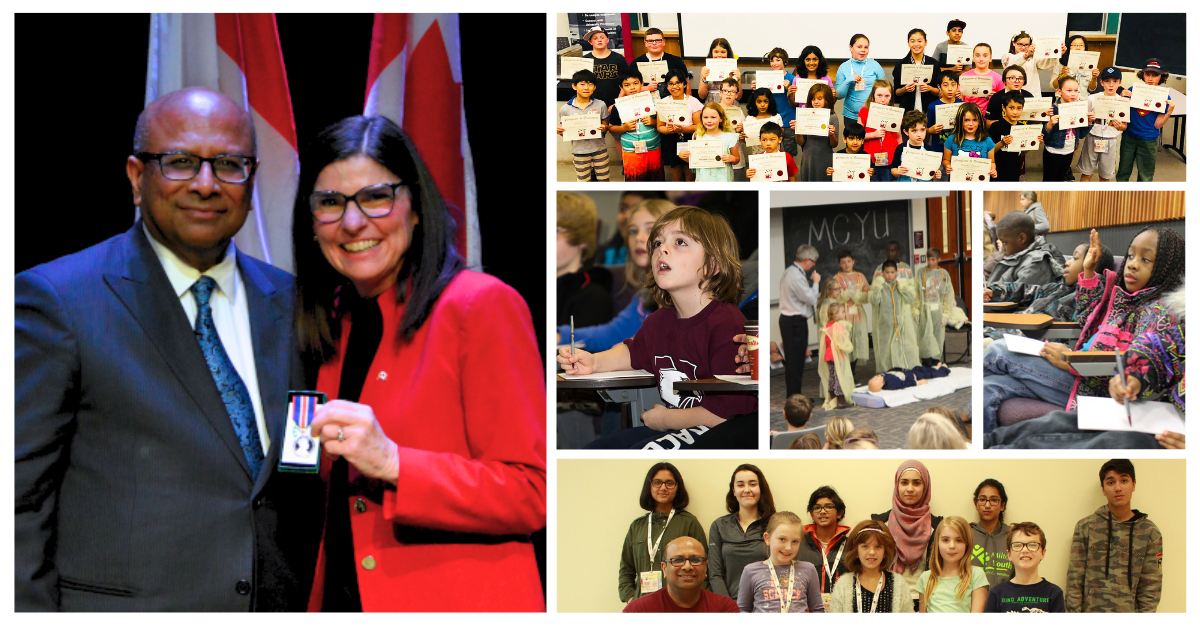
x: 681, y: 497
x: 822, y: 65
x: 999, y: 489
x: 766, y: 502
x: 1168, y: 261
x: 1067, y: 48
x: 430, y: 262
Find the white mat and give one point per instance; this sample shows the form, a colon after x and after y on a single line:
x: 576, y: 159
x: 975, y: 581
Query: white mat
x: 959, y: 377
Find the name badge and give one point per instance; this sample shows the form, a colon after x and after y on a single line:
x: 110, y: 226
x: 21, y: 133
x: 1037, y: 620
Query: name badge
x: 301, y: 452
x: 639, y: 146
x: 881, y: 159
x: 1101, y: 146
x: 827, y: 598
x: 651, y: 581
x: 860, y: 85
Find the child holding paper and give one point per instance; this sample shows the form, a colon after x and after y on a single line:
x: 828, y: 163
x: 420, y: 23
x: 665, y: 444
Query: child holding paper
x: 590, y: 155
x: 1021, y: 53
x: 771, y: 135
x: 1102, y: 145
x: 762, y: 108
x: 856, y: 78
x: 811, y: 66
x: 639, y: 139
x: 1087, y: 80
x: 715, y: 126
x: 948, y: 91
x: 731, y: 90
x: 915, y: 95
x: 1009, y: 164
x: 778, y: 59
x: 697, y: 282
x: 954, y: 34
x: 982, y: 55
x: 855, y: 137
x: 969, y: 138
x: 818, y: 152
x: 1141, y: 144
x: 1061, y: 143
x: 914, y: 128
x: 879, y: 142
x: 707, y: 90
x: 952, y: 584
x: 672, y: 133
x: 1014, y: 81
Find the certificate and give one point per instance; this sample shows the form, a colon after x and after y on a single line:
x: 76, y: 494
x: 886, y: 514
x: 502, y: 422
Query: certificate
x: 571, y: 65
x: 772, y: 80
x: 1037, y: 109
x: 921, y: 164
x: 735, y: 115
x: 673, y: 111
x: 812, y: 122
x: 945, y: 114
x: 1025, y: 137
x: 958, y: 55
x: 706, y: 153
x: 770, y: 167
x: 581, y: 127
x: 752, y: 125
x: 1047, y: 47
x: 1083, y: 60
x: 884, y: 117
x: 720, y: 69
x: 975, y: 169
x: 921, y: 73
x: 636, y: 106
x: 1109, y: 109
x: 802, y: 87
x: 653, y: 71
x: 1072, y: 115
x: 1149, y: 97
x: 975, y: 86
x: 851, y: 167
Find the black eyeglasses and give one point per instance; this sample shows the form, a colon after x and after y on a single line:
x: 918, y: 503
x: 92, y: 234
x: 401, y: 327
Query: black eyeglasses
x: 678, y: 561
x: 184, y: 166
x: 995, y: 501
x: 655, y: 41
x: 1032, y: 545
x: 374, y: 201
x: 659, y: 483
x: 824, y: 508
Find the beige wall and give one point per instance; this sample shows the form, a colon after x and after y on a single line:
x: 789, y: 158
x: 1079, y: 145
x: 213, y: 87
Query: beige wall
x: 598, y: 498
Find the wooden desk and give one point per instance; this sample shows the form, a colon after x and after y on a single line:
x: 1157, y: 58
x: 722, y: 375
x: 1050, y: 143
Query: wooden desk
x: 1092, y: 363
x: 1000, y: 306
x: 1023, y: 322
x: 640, y: 393
x: 716, y: 385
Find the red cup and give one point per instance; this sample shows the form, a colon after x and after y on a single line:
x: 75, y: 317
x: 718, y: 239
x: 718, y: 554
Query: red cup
x: 751, y: 329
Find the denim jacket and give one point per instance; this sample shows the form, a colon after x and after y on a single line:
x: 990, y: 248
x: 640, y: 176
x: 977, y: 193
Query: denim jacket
x: 1057, y: 137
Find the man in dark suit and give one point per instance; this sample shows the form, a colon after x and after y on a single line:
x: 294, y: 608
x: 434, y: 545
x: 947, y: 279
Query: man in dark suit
x: 152, y: 373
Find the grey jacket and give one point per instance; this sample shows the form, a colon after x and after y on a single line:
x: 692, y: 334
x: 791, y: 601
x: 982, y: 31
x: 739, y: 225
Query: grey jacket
x: 1041, y: 224
x: 1038, y: 264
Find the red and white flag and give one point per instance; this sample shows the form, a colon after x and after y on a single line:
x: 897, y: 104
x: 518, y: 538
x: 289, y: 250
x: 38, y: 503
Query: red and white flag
x: 238, y: 54
x: 415, y: 79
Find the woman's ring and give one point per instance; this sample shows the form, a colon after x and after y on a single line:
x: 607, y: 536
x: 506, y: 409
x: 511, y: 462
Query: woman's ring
x: 341, y: 435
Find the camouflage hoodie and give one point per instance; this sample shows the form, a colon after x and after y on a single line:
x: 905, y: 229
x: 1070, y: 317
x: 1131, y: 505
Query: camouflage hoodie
x: 1116, y: 566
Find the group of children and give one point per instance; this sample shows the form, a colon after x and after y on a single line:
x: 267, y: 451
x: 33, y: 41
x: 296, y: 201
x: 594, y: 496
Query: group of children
x: 982, y: 120
x: 939, y: 427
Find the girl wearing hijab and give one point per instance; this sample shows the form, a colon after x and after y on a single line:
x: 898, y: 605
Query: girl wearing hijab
x: 910, y: 523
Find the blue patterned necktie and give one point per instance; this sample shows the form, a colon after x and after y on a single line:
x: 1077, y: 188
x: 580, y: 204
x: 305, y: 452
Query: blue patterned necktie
x: 229, y: 384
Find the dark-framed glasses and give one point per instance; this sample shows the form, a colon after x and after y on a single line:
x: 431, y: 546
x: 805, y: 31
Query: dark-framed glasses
x: 824, y: 508
x: 659, y: 483
x: 374, y: 201
x: 1032, y: 545
x: 184, y: 166
x: 655, y: 41
x: 982, y: 501
x: 678, y: 561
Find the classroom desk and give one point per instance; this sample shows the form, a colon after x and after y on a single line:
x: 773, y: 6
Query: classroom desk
x: 1040, y: 326
x: 715, y: 385
x: 1000, y: 306
x: 640, y: 393
x: 1092, y: 363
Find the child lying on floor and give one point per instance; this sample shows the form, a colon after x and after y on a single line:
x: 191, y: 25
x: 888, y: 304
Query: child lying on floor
x: 916, y: 376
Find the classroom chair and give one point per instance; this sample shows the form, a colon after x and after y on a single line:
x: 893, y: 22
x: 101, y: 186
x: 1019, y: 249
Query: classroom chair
x: 783, y: 440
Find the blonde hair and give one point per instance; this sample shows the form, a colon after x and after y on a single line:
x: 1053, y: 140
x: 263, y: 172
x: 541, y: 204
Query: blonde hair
x: 577, y: 215
x: 891, y: 93
x: 934, y: 431
x: 836, y: 430
x: 724, y: 126
x: 655, y: 207
x: 722, y: 275
x: 936, y: 568
x: 782, y: 517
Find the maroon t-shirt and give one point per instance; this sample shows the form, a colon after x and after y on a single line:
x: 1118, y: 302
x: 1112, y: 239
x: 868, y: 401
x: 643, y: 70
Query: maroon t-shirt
x: 660, y: 602
x: 700, y: 347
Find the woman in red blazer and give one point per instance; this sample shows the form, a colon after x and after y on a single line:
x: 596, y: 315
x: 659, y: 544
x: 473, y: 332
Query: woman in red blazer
x: 436, y: 436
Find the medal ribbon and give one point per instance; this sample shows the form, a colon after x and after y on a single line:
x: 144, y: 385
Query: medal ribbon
x: 303, y: 407
x: 784, y: 602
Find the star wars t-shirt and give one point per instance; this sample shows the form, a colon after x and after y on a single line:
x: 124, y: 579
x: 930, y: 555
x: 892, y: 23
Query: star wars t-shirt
x: 1042, y: 597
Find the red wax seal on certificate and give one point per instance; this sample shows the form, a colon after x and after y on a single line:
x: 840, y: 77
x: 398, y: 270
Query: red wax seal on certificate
x: 924, y: 80
x: 981, y: 177
x: 779, y: 173
x: 718, y: 158
x: 1081, y: 120
x: 862, y: 174
x: 682, y: 118
x: 1090, y: 66
x: 593, y: 131
x: 985, y: 92
x: 778, y: 87
x: 1122, y: 114
x: 893, y: 125
x: 1033, y: 142
x: 1157, y: 104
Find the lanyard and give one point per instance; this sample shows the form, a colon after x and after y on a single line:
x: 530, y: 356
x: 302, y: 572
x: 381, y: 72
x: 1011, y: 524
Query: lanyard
x: 830, y: 572
x: 784, y: 602
x: 874, y: 600
x: 650, y: 524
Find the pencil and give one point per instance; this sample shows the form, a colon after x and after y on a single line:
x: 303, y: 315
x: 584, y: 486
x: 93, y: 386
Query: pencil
x: 573, y: 339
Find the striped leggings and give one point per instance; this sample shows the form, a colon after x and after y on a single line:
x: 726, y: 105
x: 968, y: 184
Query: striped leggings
x: 588, y: 162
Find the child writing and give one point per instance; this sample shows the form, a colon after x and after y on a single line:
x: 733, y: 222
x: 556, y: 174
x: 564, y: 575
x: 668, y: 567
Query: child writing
x: 952, y: 584
x: 1101, y: 145
x: 812, y: 66
x: 855, y: 137
x: 1140, y: 145
x: 707, y: 91
x: 969, y: 138
x: 639, y: 138
x: 880, y: 144
x: 714, y: 125
x: 781, y: 584
x: 982, y: 55
x: 673, y: 134
x: 833, y: 363
x: 872, y: 588
x: 1026, y: 591
x: 770, y: 134
x: 818, y: 151
x: 590, y: 155
x: 913, y: 126
x: 696, y: 279
x: 856, y: 77
x: 936, y: 134
x: 1061, y: 143
x: 1009, y: 164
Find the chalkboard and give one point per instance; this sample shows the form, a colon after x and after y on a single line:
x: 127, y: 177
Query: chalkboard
x: 1084, y: 23
x: 864, y: 228
x: 1160, y: 35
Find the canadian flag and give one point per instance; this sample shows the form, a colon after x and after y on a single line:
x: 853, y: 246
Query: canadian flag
x: 415, y: 79
x: 238, y: 54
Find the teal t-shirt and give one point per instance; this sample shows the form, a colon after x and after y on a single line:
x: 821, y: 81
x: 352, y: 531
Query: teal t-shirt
x: 945, y: 597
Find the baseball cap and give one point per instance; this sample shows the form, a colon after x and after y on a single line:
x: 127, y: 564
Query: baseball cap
x: 1111, y: 72
x: 592, y: 31
x: 1153, y: 65
x: 956, y: 23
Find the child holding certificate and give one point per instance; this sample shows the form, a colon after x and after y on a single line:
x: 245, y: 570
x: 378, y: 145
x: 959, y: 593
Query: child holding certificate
x: 855, y: 137
x: 778, y: 59
x: 914, y: 128
x: 811, y: 66
x: 638, y: 138
x: 879, y: 142
x: 982, y: 55
x: 818, y: 151
x: 1021, y: 52
x: 1014, y: 81
x: 954, y: 33
x: 1101, y: 146
x: 915, y: 94
x: 771, y: 136
x: 1140, y: 143
x: 673, y: 134
x: 707, y: 90
x: 590, y: 155
x: 1061, y: 143
x: 731, y: 90
x: 938, y: 132
x: 856, y: 76
x: 715, y: 126
x: 969, y: 138
x: 762, y: 108
x: 1009, y: 164
x: 1087, y: 80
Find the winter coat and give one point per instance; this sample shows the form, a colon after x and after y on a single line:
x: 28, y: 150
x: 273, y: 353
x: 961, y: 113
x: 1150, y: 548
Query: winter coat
x: 1039, y: 263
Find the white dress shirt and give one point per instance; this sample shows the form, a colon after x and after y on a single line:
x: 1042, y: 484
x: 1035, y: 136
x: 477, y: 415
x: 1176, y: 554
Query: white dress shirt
x: 229, y: 311
x: 797, y: 295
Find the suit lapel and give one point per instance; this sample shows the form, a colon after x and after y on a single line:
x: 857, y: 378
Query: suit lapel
x: 139, y: 282
x: 268, y: 306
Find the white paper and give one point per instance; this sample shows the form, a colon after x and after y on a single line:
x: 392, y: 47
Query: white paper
x: 921, y: 164
x: 1072, y: 115
x: 958, y: 55
x: 571, y: 65
x: 638, y: 105
x: 752, y: 125
x: 706, y: 153
x: 1111, y: 109
x: 884, y: 117
x: 1024, y: 138
x: 1083, y: 60
x: 944, y: 115
x: 735, y: 115
x: 851, y: 167
x: 652, y: 70
x: 673, y: 111
x: 610, y: 375
x: 769, y: 167
x: 1150, y: 417
x: 812, y: 122
x: 1047, y: 47
x: 720, y: 69
x: 581, y: 127
x: 1021, y: 344
x: 1149, y: 97
x: 802, y: 87
x: 735, y: 379
x: 973, y: 169
x: 909, y: 71
x: 1037, y: 109
x: 772, y: 80
x: 975, y: 86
